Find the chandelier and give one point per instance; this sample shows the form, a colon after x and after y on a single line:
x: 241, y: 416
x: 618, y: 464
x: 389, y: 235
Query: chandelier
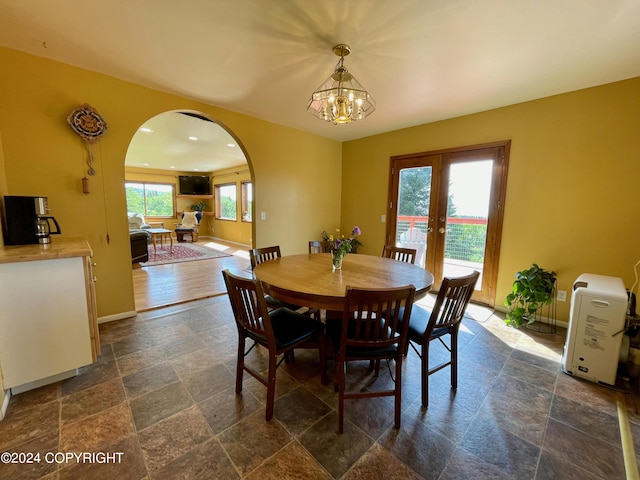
x: 341, y: 99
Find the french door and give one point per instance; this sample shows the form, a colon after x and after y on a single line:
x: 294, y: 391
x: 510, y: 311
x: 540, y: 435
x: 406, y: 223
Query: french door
x: 448, y: 205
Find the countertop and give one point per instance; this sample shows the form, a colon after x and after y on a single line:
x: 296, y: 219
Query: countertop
x: 58, y: 248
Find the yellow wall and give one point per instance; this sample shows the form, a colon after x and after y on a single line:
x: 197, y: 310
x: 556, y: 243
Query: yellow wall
x: 572, y: 200
x: 43, y: 156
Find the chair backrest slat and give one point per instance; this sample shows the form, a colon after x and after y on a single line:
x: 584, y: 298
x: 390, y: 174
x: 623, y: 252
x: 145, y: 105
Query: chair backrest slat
x: 371, y: 317
x: 248, y: 305
x: 407, y: 255
x: 452, y: 300
x: 264, y: 254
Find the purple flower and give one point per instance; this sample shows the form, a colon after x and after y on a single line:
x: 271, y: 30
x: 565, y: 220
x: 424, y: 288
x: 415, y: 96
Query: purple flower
x: 356, y: 231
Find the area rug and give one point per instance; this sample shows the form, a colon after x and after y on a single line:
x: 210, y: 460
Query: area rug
x: 182, y: 252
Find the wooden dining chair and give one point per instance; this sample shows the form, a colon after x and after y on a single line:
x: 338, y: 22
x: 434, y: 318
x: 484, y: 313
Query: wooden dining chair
x: 407, y: 255
x: 266, y: 254
x: 279, y: 331
x: 316, y: 246
x: 374, y: 327
x: 426, y: 325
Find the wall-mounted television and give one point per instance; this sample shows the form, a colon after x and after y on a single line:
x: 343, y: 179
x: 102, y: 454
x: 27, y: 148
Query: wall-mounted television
x: 194, y: 185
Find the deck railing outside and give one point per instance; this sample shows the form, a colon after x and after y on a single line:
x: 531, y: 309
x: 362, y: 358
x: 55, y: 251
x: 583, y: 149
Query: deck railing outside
x: 464, y: 242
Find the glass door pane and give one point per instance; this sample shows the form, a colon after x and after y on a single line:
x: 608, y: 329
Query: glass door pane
x: 412, y: 222
x: 467, y: 218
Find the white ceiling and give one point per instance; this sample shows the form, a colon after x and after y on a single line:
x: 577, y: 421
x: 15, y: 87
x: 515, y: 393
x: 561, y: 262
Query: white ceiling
x: 421, y: 60
x: 175, y: 141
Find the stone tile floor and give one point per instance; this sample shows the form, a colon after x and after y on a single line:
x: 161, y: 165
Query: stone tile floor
x: 162, y: 394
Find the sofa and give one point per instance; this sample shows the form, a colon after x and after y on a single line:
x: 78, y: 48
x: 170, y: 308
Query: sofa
x: 139, y: 237
x: 139, y: 246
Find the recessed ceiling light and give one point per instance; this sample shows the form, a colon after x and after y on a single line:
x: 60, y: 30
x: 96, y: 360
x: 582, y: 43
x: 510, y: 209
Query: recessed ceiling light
x: 172, y: 166
x: 145, y: 164
x: 146, y: 130
x: 231, y: 145
x: 193, y: 138
x: 196, y: 169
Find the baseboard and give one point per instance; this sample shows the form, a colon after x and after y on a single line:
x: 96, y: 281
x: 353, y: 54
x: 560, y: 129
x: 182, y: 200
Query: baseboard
x: 559, y: 323
x: 117, y: 316
x: 228, y: 241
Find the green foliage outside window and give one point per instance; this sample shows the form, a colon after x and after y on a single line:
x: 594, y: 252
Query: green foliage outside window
x: 150, y: 199
x: 463, y: 241
x: 228, y: 208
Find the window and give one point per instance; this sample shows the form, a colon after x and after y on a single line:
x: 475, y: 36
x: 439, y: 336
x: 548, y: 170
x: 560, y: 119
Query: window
x: 225, y: 196
x: 247, y: 201
x: 150, y: 199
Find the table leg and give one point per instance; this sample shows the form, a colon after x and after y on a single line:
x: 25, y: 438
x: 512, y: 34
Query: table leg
x: 153, y: 238
x: 170, y: 243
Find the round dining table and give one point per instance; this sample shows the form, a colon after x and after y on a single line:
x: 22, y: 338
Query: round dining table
x: 308, y: 279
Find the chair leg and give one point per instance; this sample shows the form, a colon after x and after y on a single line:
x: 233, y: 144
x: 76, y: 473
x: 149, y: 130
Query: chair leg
x: 322, y: 347
x: 425, y: 374
x: 240, y: 364
x: 341, y: 385
x: 454, y: 359
x: 271, y: 386
x: 398, y: 391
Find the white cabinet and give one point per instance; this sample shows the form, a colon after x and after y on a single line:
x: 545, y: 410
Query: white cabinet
x: 596, y: 326
x: 48, y: 324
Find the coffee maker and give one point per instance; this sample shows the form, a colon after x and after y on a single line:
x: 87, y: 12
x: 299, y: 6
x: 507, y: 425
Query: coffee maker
x: 27, y: 220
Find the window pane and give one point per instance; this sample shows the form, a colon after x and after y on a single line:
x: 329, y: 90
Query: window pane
x: 150, y: 199
x: 135, y: 197
x: 159, y: 199
x: 226, y: 201
x: 247, y: 201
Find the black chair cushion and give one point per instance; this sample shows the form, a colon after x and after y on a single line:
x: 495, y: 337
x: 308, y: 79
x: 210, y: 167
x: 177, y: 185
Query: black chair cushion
x: 418, y: 324
x: 275, y: 303
x: 334, y: 334
x: 290, y: 327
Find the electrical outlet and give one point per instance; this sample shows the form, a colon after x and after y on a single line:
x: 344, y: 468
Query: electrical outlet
x: 562, y: 296
x: 383, y: 218
x: 263, y: 215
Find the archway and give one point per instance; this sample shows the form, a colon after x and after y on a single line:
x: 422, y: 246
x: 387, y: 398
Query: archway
x: 166, y: 149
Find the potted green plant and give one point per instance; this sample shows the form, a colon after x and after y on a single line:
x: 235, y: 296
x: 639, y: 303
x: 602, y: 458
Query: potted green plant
x: 532, y: 289
x: 199, y: 207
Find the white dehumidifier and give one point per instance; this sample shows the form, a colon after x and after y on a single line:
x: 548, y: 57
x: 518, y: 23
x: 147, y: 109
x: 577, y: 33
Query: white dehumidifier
x: 596, y: 326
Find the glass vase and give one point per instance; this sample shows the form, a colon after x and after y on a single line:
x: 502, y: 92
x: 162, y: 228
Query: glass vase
x: 336, y: 260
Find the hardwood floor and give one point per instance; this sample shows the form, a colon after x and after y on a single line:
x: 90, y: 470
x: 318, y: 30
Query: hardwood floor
x: 163, y: 285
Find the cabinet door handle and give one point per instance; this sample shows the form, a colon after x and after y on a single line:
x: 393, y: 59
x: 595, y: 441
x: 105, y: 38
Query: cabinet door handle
x: 599, y: 303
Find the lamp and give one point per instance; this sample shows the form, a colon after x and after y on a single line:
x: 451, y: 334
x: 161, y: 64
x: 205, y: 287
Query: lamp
x: 341, y: 99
